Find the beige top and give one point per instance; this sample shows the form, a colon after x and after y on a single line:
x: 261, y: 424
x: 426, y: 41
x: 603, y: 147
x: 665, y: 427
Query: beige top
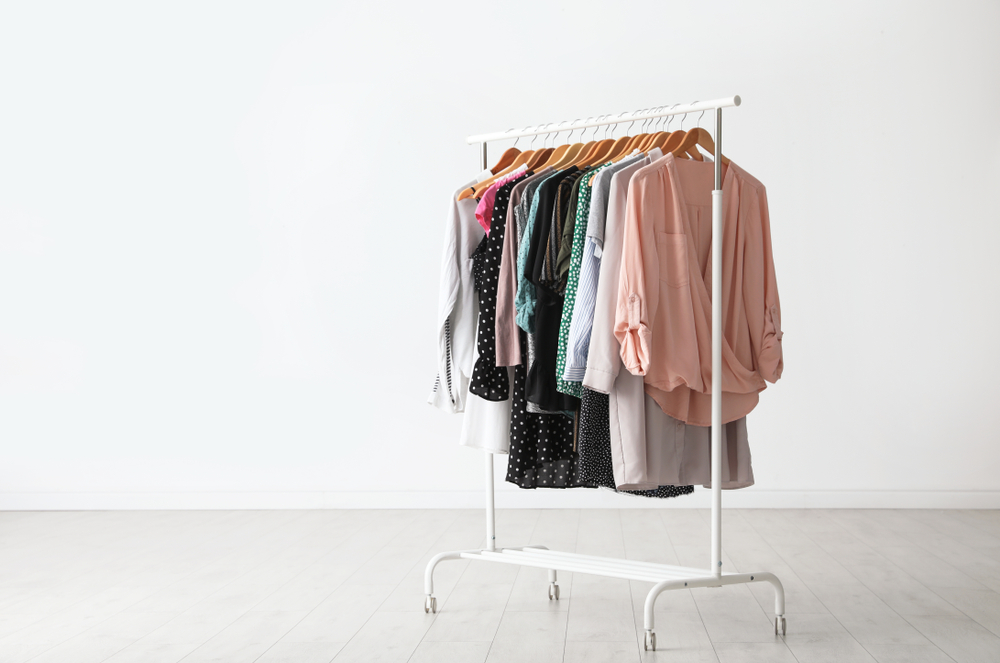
x: 663, y: 315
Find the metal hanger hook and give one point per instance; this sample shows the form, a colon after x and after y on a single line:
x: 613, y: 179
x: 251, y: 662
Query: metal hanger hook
x: 655, y: 124
x: 609, y: 129
x: 550, y: 133
x: 535, y: 137
x: 700, y: 116
x: 651, y: 127
x: 569, y: 136
x: 592, y: 118
x: 516, y: 138
x: 632, y: 123
x: 593, y: 130
x: 652, y: 120
x: 519, y: 137
x: 660, y: 121
x: 614, y: 127
x: 600, y: 118
x: 672, y: 116
x: 645, y: 121
x: 556, y: 135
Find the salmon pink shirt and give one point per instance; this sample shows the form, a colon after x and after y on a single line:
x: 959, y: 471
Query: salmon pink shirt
x: 663, y: 319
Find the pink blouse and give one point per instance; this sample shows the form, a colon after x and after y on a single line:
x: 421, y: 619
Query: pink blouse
x: 663, y: 317
x: 484, y: 210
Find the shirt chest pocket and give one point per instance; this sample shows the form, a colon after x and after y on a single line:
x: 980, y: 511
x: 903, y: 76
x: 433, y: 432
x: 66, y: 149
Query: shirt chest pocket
x: 671, y: 249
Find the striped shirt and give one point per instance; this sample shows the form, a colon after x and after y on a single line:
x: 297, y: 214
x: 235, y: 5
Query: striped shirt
x: 582, y: 321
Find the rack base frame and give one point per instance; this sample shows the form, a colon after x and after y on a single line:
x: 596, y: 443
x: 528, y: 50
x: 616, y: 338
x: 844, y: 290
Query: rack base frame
x: 666, y: 577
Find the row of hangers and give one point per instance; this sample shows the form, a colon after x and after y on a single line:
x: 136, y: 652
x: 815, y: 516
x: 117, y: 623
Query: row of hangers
x: 682, y: 144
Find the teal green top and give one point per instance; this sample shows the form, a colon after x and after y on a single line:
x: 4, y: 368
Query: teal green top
x: 524, y: 301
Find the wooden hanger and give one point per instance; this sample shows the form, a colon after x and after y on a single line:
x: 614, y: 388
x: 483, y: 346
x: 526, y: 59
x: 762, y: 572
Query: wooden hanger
x: 676, y: 138
x: 586, y: 152
x: 658, y: 139
x: 571, y: 158
x: 555, y: 156
x: 616, y: 151
x: 598, y: 155
x: 618, y: 148
x: 539, y: 158
x: 697, y: 136
x: 506, y: 159
x: 574, y: 158
x: 637, y: 141
x: 477, y: 189
x: 625, y: 153
x: 587, y: 155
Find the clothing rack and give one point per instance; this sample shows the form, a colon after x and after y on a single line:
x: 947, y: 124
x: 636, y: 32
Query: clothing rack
x: 666, y: 577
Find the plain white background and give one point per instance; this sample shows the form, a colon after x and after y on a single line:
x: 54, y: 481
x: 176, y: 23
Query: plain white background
x: 221, y: 225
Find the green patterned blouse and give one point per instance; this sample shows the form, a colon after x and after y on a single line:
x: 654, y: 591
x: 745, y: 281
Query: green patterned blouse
x: 575, y: 261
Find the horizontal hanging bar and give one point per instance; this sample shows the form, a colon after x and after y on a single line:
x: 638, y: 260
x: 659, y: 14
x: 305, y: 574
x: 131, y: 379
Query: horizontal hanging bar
x: 662, y: 111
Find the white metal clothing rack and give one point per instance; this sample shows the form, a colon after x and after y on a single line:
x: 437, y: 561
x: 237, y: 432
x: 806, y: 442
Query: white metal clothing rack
x: 666, y: 577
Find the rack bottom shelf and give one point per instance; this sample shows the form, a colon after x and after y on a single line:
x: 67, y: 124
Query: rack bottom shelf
x: 665, y: 577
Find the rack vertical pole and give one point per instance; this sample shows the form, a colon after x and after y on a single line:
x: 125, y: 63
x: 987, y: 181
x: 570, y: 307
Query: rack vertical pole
x: 491, y: 534
x: 491, y: 530
x: 717, y: 353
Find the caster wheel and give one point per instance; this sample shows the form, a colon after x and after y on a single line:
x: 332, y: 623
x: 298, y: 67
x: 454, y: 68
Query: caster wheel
x: 649, y: 644
x: 779, y: 625
x: 553, y: 592
x: 431, y: 604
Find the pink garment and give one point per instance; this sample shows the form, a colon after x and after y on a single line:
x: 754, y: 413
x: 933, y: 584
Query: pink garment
x: 648, y: 447
x: 508, y: 339
x: 484, y: 210
x: 663, y: 316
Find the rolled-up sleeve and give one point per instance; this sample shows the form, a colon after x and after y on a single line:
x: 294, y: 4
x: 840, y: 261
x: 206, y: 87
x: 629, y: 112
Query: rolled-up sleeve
x: 638, y: 286
x: 760, y: 287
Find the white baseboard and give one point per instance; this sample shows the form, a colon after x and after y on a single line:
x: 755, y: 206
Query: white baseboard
x: 507, y: 498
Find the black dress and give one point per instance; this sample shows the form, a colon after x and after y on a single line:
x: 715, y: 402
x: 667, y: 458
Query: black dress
x: 541, y: 445
x: 540, y: 387
x: 489, y: 381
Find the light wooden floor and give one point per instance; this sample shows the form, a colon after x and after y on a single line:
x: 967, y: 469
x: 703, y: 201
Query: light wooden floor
x: 315, y: 586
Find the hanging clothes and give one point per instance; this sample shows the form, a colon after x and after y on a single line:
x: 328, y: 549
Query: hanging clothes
x: 485, y: 424
x: 663, y: 317
x: 596, y: 465
x: 574, y: 324
x: 585, y: 299
x: 573, y: 388
x: 458, y: 309
x: 648, y: 447
x: 541, y: 386
x: 490, y: 381
x: 541, y: 445
x: 508, y: 343
x: 484, y: 210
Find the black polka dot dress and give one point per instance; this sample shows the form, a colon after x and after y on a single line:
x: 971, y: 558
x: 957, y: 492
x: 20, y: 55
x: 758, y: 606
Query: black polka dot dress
x: 490, y: 381
x: 594, y: 442
x: 541, y: 445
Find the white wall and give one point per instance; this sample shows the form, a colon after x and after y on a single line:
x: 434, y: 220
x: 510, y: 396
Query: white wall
x: 220, y: 229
